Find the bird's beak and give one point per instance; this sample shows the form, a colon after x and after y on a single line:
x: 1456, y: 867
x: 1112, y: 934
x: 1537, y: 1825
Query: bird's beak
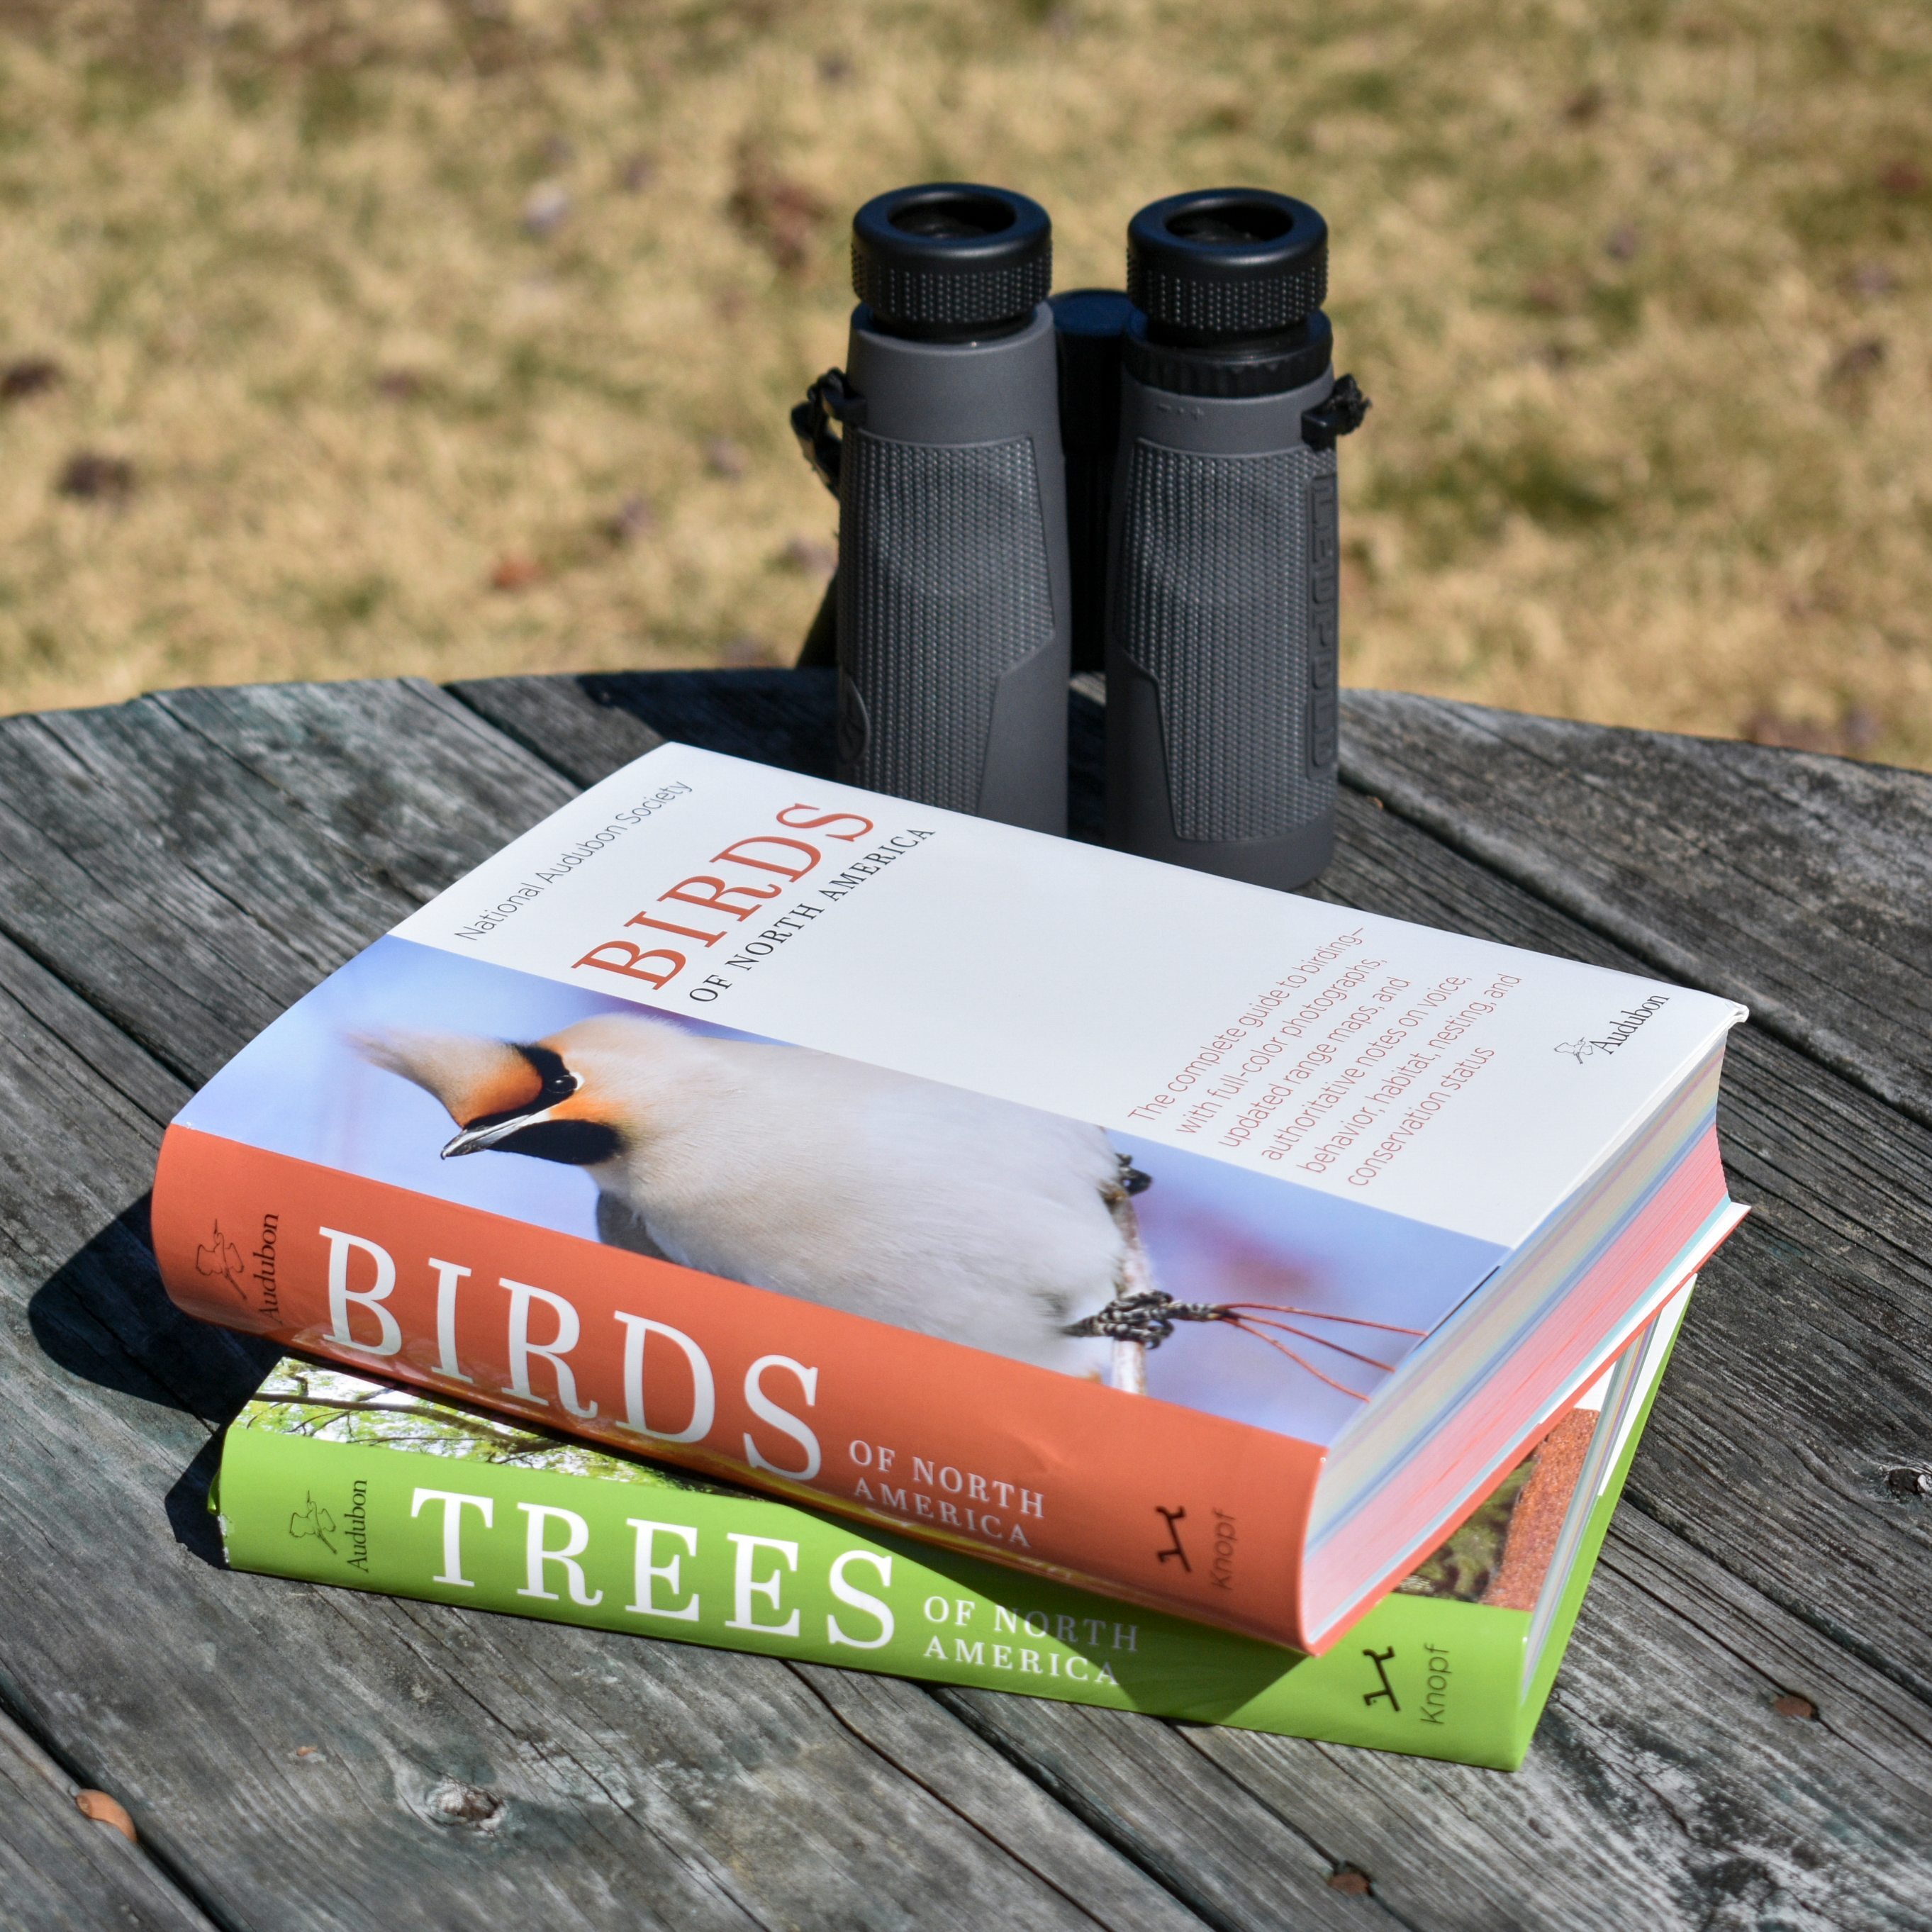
x: 487, y: 1133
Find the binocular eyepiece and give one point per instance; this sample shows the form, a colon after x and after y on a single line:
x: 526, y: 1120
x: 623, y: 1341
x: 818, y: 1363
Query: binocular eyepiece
x: 1226, y: 267
x: 951, y: 263
x: 1143, y: 483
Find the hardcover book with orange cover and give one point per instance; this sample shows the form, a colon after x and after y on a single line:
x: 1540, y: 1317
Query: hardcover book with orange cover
x: 1215, y: 1248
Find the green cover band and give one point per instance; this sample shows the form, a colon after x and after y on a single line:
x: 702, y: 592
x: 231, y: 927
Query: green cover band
x: 568, y: 1533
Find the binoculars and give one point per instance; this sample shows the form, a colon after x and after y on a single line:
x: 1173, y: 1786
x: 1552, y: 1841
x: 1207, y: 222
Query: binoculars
x: 1141, y: 482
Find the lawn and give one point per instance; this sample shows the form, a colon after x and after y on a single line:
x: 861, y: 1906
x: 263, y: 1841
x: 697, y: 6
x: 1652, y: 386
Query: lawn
x: 456, y: 339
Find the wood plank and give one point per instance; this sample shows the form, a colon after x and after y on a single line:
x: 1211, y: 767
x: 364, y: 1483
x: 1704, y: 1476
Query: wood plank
x: 589, y: 726
x: 1799, y: 883
x: 1722, y: 1459
x: 1644, y: 1800
x: 1235, y: 1858
x: 1402, y: 859
x: 975, y: 1778
x: 153, y: 868
x: 637, y: 1783
x: 60, y: 1871
x: 444, y: 804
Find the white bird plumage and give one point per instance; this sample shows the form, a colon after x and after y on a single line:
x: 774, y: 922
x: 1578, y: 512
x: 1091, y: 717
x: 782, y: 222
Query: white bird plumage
x: 961, y: 1216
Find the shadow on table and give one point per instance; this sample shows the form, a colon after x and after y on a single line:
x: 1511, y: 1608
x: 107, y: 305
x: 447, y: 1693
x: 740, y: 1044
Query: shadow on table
x: 103, y: 1316
x: 782, y: 718
x: 787, y: 718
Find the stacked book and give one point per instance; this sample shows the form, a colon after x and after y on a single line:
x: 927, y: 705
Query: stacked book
x: 1021, y: 1263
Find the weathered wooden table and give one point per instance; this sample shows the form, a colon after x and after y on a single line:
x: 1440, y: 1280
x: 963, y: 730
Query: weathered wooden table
x: 1742, y: 1736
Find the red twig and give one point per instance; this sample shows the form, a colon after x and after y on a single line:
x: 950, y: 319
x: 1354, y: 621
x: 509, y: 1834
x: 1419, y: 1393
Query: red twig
x: 1240, y: 1322
x: 1320, y: 1341
x: 1318, y: 1315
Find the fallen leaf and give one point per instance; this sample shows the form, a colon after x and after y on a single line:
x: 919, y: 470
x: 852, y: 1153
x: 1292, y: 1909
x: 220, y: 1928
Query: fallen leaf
x: 516, y: 572
x: 1857, y: 358
x: 630, y: 519
x: 1586, y: 105
x: 1794, y: 734
x: 813, y: 559
x: 31, y: 376
x: 90, y: 477
x: 773, y: 208
x: 106, y: 1810
x: 1862, y: 728
x: 546, y: 208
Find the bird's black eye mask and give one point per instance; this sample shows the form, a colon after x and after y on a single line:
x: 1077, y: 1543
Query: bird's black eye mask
x: 570, y: 1143
x: 559, y: 1082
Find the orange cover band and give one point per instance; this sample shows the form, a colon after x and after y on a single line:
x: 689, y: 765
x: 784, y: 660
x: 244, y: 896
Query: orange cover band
x: 900, y: 1429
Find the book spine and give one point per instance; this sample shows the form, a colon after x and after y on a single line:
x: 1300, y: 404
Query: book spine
x: 1164, y: 1506
x: 1432, y: 1679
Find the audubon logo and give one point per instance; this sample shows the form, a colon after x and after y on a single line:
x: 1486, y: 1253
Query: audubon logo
x: 1626, y: 1023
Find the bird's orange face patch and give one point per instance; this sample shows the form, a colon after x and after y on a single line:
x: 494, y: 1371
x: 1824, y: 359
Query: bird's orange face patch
x: 582, y: 1102
x: 505, y: 1084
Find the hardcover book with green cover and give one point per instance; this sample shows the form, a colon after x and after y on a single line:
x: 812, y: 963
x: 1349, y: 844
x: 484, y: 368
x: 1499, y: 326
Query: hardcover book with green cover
x: 334, y: 1478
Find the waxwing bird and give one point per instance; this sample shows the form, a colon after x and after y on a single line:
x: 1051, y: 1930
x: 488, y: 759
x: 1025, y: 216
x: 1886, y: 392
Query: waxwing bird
x: 892, y: 1197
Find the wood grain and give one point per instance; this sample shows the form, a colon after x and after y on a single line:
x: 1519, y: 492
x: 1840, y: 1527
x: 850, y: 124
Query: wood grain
x: 1795, y: 1386
x: 60, y: 1870
x: 1766, y: 1554
x: 313, y: 1758
x: 330, y: 756
x: 1799, y: 883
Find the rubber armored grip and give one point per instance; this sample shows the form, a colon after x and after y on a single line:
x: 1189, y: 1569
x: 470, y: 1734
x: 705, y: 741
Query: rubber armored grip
x: 1222, y: 636
x: 953, y: 620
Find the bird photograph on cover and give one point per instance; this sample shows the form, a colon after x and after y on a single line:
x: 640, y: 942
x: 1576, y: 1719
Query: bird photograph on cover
x: 957, y: 1214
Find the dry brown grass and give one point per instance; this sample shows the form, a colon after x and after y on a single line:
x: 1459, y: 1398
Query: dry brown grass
x: 384, y: 307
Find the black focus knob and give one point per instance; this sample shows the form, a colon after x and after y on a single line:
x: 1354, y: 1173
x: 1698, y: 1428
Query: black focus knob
x: 950, y: 260
x: 1226, y: 264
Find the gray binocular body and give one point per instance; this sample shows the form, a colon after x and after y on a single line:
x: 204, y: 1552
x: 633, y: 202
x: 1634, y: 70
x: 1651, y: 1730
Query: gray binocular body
x: 954, y: 602
x: 1221, y: 633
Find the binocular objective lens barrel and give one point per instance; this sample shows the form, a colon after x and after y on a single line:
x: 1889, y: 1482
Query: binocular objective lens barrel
x: 953, y: 614
x: 1222, y: 635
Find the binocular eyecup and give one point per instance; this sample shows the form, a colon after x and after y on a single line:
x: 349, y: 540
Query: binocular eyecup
x: 1226, y: 266
x: 1227, y: 286
x: 951, y: 261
